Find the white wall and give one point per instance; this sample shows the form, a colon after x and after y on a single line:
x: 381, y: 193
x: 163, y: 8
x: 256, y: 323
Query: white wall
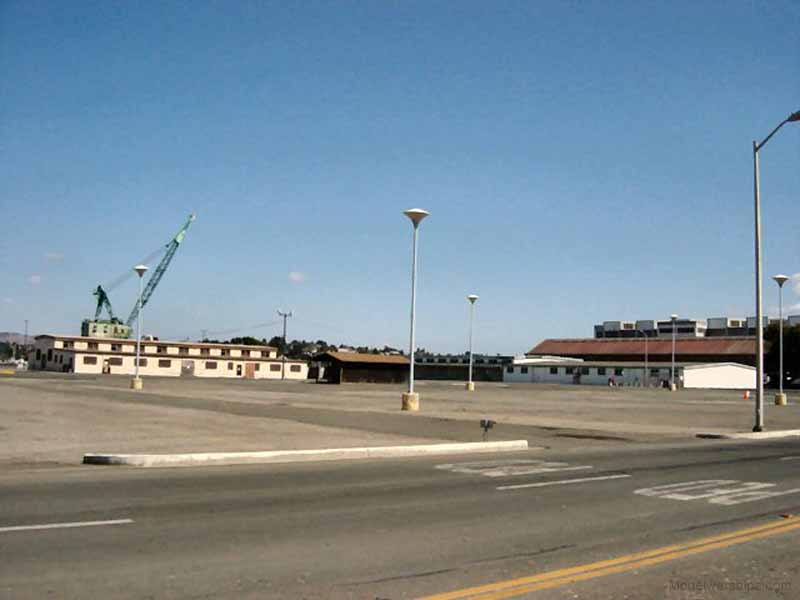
x: 721, y: 377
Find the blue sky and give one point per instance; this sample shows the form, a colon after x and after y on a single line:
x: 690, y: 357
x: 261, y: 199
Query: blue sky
x: 581, y: 162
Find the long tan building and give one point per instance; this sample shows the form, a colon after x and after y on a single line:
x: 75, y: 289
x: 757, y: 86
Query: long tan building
x: 79, y: 354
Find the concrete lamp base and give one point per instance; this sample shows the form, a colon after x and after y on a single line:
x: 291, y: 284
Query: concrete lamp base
x: 780, y: 399
x: 410, y: 402
x: 136, y: 383
x: 470, y: 387
x: 673, y: 387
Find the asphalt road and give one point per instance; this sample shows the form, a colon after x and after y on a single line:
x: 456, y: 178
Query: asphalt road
x: 405, y: 529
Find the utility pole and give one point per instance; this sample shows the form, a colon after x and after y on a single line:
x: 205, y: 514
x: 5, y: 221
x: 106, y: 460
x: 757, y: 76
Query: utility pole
x: 26, y: 339
x: 284, y: 315
x: 203, y: 334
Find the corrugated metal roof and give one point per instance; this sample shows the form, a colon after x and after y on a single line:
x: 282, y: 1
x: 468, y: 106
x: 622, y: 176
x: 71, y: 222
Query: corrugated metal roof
x: 728, y: 346
x: 356, y: 357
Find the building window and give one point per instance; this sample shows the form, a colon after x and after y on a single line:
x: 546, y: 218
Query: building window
x: 509, y: 369
x: 164, y: 363
x: 183, y: 350
x: 116, y: 347
x: 90, y: 360
x: 654, y: 372
x: 523, y: 370
x: 68, y: 345
x: 230, y: 366
x: 142, y: 362
x: 274, y: 367
x: 601, y: 370
x: 619, y: 371
x: 257, y: 367
x: 49, y: 354
x: 211, y: 365
x: 115, y: 361
x: 553, y: 370
x: 294, y: 368
x: 92, y: 345
x: 204, y: 351
x: 161, y: 349
x: 225, y: 352
x: 570, y: 370
x: 38, y: 354
x: 245, y: 352
x: 584, y: 370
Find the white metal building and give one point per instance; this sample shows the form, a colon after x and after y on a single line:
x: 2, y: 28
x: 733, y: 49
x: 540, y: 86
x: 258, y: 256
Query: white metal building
x: 78, y: 354
x: 729, y: 376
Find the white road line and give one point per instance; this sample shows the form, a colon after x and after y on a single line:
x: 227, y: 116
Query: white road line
x: 560, y: 482
x: 790, y: 458
x: 65, y: 525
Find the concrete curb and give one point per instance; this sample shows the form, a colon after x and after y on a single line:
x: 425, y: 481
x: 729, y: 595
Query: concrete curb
x: 761, y: 435
x: 287, y: 456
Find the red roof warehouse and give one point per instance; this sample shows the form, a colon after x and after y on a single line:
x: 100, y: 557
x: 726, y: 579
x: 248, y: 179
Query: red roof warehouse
x: 695, y: 350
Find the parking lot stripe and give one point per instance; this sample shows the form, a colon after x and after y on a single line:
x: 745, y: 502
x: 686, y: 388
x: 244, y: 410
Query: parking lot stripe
x: 65, y: 525
x: 559, y: 482
x: 552, y: 579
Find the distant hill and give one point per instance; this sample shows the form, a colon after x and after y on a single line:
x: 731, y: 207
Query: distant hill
x: 14, y: 338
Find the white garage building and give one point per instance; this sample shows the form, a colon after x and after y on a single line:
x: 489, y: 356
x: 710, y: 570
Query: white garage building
x: 728, y: 376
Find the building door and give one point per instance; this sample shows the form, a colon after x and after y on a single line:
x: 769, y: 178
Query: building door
x: 249, y: 370
x: 238, y: 370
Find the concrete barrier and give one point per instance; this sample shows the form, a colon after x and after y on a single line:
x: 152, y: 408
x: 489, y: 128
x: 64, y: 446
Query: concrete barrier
x: 287, y: 456
x: 753, y: 435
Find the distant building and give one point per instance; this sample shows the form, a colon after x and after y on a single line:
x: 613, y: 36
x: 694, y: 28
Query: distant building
x: 687, y: 350
x: 559, y: 370
x: 455, y: 367
x: 78, y: 354
x: 712, y: 327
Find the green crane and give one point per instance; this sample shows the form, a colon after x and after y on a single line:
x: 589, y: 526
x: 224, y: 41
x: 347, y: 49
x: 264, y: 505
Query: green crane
x: 150, y: 287
x: 114, y: 327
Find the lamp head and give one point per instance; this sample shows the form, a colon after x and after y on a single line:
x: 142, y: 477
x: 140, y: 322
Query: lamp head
x: 795, y: 116
x: 674, y: 317
x: 780, y: 279
x: 140, y: 270
x: 472, y: 298
x: 416, y: 215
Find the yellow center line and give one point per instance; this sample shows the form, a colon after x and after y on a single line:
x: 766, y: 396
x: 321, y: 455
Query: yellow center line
x: 514, y: 587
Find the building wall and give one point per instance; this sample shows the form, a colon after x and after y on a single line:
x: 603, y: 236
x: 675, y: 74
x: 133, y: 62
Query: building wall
x: 458, y: 372
x: 723, y: 376
x: 587, y: 375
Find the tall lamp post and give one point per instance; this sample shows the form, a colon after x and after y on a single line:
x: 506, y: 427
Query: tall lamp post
x: 780, y: 399
x: 759, y: 425
x: 674, y: 319
x: 411, y: 399
x: 472, y: 298
x: 136, y: 382
x: 646, y: 377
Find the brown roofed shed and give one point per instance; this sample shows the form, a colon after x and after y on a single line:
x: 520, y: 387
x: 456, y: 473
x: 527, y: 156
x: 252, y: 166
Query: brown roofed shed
x: 354, y: 367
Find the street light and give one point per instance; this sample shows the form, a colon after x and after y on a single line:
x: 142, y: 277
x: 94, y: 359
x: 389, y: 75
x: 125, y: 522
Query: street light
x: 780, y: 399
x: 674, y: 319
x: 472, y: 298
x: 136, y: 382
x: 646, y: 371
x: 759, y: 425
x: 410, y: 399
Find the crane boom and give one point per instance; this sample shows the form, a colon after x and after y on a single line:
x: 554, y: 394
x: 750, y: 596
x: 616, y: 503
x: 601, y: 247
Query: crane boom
x: 158, y: 273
